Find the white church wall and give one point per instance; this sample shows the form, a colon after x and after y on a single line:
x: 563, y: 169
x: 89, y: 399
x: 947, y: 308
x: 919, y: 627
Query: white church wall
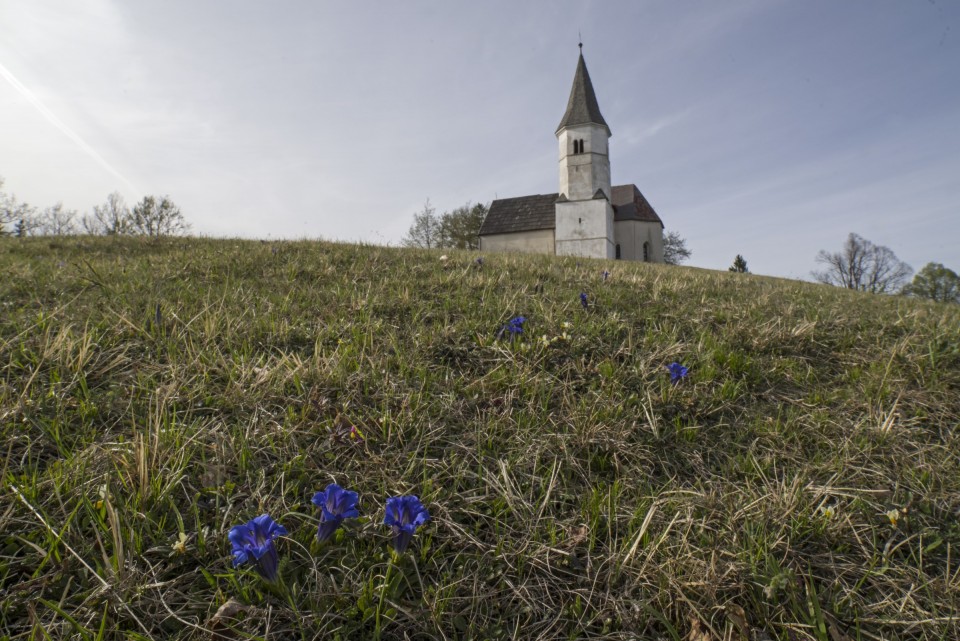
x: 582, y: 174
x: 585, y: 228
x: 655, y: 230
x: 588, y: 248
x: 632, y: 234
x: 539, y: 241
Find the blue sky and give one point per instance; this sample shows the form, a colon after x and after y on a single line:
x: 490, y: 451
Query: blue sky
x: 768, y: 128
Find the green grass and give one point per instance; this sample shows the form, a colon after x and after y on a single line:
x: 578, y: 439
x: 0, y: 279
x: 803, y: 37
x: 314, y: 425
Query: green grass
x: 153, y: 389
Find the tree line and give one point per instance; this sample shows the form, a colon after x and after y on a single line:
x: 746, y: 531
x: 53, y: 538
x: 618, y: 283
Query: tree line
x: 860, y: 265
x: 866, y: 267
x: 455, y: 229
x: 152, y: 216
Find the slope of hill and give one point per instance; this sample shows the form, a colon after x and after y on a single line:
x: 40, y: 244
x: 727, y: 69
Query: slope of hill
x: 801, y: 482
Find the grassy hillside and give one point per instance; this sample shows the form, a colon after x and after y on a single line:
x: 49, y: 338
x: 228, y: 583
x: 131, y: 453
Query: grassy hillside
x: 803, y: 482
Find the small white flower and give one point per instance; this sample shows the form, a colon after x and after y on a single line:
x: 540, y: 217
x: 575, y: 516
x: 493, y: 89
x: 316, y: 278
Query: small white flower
x: 894, y: 516
x: 443, y: 258
x: 180, y: 545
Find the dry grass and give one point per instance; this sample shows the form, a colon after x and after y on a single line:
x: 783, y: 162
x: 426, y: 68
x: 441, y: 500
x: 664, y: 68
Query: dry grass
x: 153, y: 390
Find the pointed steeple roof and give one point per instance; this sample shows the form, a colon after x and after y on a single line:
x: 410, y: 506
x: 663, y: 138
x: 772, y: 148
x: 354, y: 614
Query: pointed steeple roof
x: 582, y: 108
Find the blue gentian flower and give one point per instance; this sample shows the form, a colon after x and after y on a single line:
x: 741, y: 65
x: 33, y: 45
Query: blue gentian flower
x: 605, y: 274
x: 336, y: 504
x: 514, y: 327
x: 404, y: 515
x: 583, y: 300
x: 677, y: 371
x: 253, y: 542
x: 479, y: 261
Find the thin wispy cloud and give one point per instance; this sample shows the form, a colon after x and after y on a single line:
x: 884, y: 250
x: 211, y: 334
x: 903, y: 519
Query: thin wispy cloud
x: 52, y: 118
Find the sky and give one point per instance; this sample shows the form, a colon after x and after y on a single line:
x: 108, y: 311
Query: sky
x: 767, y: 128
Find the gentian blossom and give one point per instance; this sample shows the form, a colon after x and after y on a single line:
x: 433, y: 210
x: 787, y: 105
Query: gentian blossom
x: 253, y: 542
x: 605, y: 274
x: 677, y: 371
x: 514, y: 327
x: 583, y: 300
x: 336, y: 504
x: 404, y: 515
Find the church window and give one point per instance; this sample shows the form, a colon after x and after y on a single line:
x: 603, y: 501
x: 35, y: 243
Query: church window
x: 618, y: 251
x: 646, y: 252
x: 581, y: 145
x: 576, y: 146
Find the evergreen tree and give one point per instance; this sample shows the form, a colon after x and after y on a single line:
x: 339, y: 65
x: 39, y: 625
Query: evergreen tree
x: 739, y: 265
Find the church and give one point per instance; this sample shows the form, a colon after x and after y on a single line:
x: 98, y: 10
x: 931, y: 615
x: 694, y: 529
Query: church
x: 588, y: 217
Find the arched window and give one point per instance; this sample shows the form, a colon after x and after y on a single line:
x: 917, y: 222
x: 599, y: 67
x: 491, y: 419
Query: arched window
x: 646, y: 252
x: 617, y: 249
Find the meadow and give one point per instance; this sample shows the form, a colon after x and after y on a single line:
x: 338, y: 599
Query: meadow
x: 801, y: 482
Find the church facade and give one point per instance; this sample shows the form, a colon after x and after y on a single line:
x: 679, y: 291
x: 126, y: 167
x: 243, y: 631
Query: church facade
x: 588, y: 217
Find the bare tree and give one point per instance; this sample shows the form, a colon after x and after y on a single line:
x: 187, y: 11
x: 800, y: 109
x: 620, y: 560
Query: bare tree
x: 110, y: 218
x: 27, y: 221
x: 15, y: 217
x: 3, y: 211
x: 157, y: 217
x: 425, y: 232
x: 675, y: 250
x: 57, y: 221
x: 863, y: 266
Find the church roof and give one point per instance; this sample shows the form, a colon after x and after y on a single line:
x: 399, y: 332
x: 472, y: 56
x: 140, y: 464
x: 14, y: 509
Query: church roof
x: 629, y: 204
x: 526, y: 213
x: 529, y: 213
x: 582, y: 107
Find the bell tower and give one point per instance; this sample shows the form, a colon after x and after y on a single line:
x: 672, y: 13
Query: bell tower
x: 584, y: 223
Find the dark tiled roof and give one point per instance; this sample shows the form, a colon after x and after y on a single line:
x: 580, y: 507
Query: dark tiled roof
x: 629, y: 204
x: 582, y: 108
x: 525, y: 213
x: 528, y: 213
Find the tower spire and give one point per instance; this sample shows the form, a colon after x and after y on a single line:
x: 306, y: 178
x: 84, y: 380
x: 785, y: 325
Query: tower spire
x: 582, y: 107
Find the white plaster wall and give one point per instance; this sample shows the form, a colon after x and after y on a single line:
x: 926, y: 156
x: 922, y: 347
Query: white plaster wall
x: 539, y: 241
x: 655, y: 230
x: 631, y: 234
x: 591, y: 248
x: 581, y: 175
x: 585, y: 228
